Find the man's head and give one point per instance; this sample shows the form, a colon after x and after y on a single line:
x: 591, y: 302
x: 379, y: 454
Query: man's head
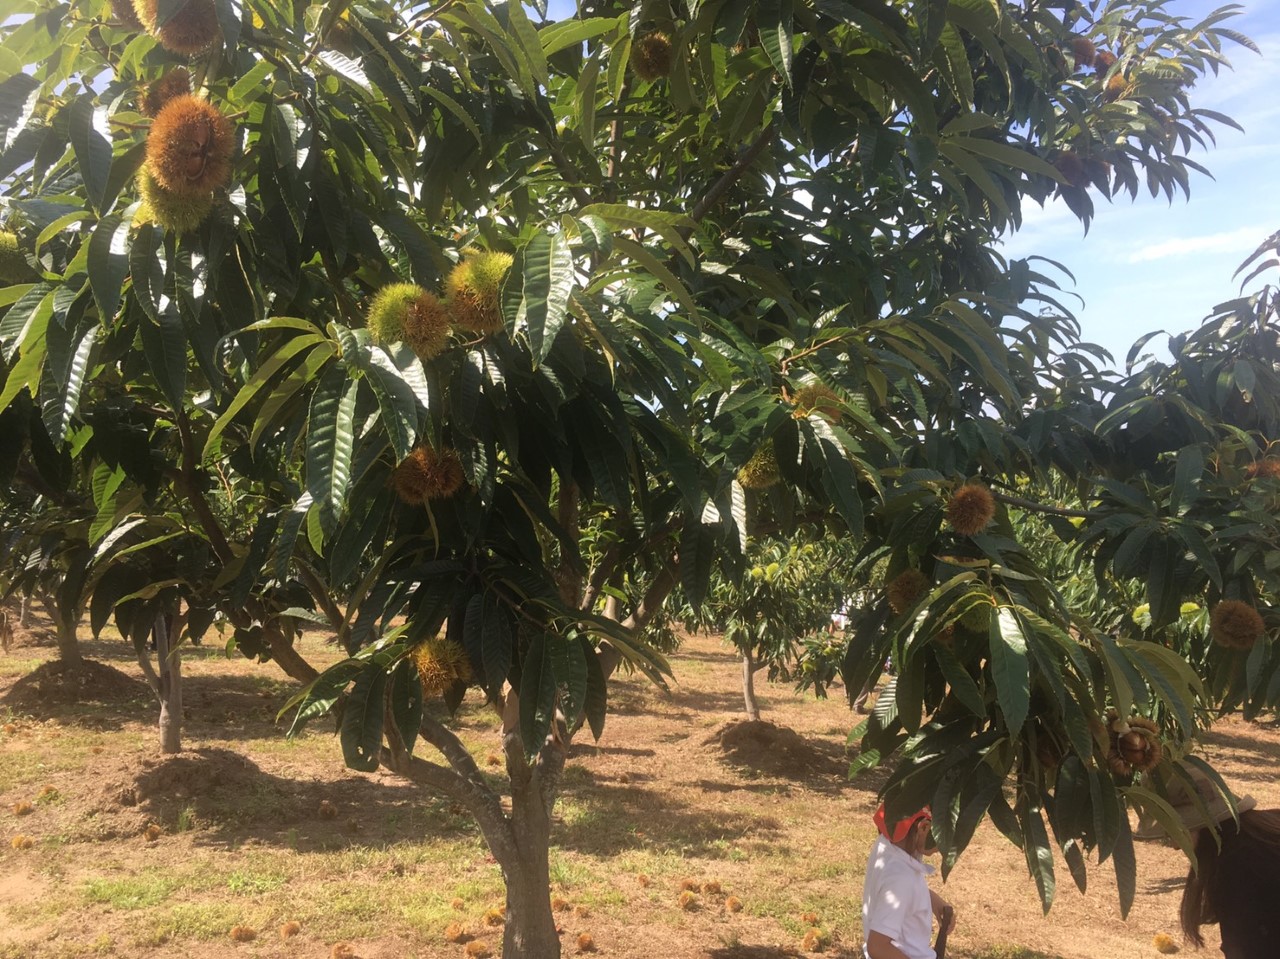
x: 912, y: 834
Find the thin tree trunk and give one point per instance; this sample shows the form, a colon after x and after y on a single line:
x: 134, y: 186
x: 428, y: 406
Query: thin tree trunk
x: 286, y: 657
x: 749, y: 687
x: 530, y: 932
x: 170, y: 688
x: 68, y: 643
x: 24, y: 617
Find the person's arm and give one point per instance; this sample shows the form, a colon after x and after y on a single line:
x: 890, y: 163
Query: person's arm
x: 937, y: 904
x: 880, y: 946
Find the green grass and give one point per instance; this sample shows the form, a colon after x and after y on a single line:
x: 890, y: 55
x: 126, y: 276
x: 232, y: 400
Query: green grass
x: 138, y: 891
x: 255, y: 884
x: 201, y: 921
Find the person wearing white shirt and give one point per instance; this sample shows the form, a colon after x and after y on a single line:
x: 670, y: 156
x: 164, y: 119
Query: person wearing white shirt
x: 898, y: 907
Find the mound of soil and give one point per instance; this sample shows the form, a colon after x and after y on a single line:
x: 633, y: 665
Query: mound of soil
x: 781, y: 752
x: 56, y: 683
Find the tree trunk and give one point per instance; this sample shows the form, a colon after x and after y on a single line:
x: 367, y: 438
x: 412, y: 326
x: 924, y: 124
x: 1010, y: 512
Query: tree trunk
x: 24, y: 617
x: 68, y: 643
x: 286, y: 657
x: 530, y: 932
x: 749, y: 687
x: 170, y: 689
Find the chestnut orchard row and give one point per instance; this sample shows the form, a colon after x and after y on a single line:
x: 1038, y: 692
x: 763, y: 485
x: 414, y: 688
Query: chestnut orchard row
x: 473, y: 334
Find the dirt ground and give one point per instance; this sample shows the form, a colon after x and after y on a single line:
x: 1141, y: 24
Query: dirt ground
x: 122, y: 852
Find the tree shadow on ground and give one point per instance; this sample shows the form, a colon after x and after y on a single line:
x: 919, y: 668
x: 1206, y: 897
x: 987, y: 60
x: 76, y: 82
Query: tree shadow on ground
x: 228, y: 800
x: 620, y: 817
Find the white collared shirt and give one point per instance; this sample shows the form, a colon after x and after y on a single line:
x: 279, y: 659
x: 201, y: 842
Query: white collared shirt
x: 895, y: 900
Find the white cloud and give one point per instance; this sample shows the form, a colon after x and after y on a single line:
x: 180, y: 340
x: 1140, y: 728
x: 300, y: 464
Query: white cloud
x: 1242, y: 240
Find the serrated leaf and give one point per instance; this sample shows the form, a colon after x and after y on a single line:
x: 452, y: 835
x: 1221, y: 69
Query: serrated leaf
x: 1010, y: 668
x: 537, y: 697
x: 330, y: 440
x: 547, y: 283
x: 362, y: 719
x: 108, y: 263
x: 90, y: 137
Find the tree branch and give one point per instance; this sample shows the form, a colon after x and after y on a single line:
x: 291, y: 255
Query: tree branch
x: 733, y: 174
x: 1021, y: 503
x: 320, y: 593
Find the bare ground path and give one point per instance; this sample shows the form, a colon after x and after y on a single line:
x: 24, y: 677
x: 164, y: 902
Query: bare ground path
x: 253, y: 830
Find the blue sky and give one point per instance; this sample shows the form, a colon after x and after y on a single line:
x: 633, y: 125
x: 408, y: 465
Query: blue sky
x: 1151, y: 265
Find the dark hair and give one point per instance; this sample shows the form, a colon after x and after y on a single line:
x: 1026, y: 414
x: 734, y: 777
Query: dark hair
x: 1257, y: 839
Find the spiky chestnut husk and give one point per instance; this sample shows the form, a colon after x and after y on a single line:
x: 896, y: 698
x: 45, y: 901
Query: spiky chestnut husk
x: 971, y: 509
x: 21, y: 842
x: 178, y: 212
x: 192, y: 30
x: 474, y: 289
x: 1235, y: 625
x: 733, y: 904
x: 1266, y: 468
x: 1071, y: 167
x: 175, y: 83
x: 688, y: 901
x: 342, y: 950
x: 390, y: 308
x: 243, y: 934
x: 495, y: 917
x: 477, y: 949
x: 189, y: 146
x: 1104, y: 60
x: 13, y: 264
x: 126, y: 16
x: 905, y: 588
x: 977, y: 618
x: 586, y: 943
x: 454, y: 932
x: 651, y: 56
x: 290, y: 929
x: 426, y: 326
x: 816, y: 398
x: 1083, y: 50
x: 1140, y: 747
x: 761, y: 471
x: 814, y: 941
x: 711, y: 887
x: 428, y: 473
x: 1115, y: 87
x: 440, y: 663
x: 1164, y: 944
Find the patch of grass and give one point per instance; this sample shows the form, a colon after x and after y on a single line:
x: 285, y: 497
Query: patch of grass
x: 130, y: 892
x: 255, y: 883
x: 203, y: 921
x: 186, y: 819
x: 1009, y: 952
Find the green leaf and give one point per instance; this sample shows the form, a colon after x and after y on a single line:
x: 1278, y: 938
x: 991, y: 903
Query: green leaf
x: 495, y: 647
x: 1186, y: 480
x: 571, y: 33
x: 1010, y: 668
x: 1126, y: 863
x: 537, y: 697
x: 1039, y: 853
x: 108, y: 263
x: 547, y: 283
x: 91, y: 140
x: 261, y: 377
x: 773, y: 19
x: 597, y: 705
x: 330, y: 439
x: 165, y: 345
x: 77, y: 371
x: 406, y: 702
x: 570, y: 666
x: 362, y: 718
